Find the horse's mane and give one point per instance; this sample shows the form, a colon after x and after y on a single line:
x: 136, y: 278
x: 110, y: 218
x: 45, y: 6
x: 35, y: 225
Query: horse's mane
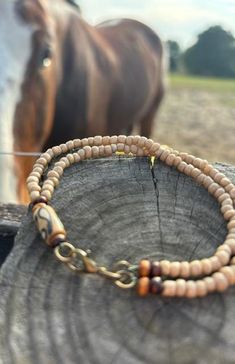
x: 75, y: 4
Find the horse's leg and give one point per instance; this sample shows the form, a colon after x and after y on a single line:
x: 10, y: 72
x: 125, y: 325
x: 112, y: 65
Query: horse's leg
x: 146, y: 124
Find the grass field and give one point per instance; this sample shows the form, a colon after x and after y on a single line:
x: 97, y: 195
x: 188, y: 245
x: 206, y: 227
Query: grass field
x: 198, y: 116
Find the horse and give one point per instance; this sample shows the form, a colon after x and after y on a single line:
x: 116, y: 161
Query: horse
x: 62, y: 78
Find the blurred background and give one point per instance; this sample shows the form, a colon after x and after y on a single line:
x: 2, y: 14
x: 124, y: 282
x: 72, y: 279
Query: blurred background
x: 198, y: 112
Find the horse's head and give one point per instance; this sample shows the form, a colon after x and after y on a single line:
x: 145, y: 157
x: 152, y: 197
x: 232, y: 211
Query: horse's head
x: 29, y: 75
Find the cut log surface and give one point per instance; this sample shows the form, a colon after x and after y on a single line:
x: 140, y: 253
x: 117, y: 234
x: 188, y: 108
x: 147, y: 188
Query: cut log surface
x: 119, y: 209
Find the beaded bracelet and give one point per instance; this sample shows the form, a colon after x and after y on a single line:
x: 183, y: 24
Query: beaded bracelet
x: 191, y: 279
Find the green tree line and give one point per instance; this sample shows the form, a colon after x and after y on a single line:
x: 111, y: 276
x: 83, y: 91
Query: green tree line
x: 213, y: 54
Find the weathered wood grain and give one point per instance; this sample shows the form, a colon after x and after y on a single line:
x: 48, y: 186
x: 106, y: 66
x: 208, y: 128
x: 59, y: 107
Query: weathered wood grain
x: 120, y: 210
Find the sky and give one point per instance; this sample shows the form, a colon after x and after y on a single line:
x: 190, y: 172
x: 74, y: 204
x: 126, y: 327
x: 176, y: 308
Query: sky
x: 179, y: 20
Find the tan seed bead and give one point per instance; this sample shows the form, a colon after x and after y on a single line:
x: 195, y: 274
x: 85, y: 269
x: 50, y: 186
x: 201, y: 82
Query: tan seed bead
x: 213, y: 171
x: 225, y: 247
x: 47, y: 187
x: 49, y: 182
x: 70, y: 144
x: 120, y: 147
x: 206, y: 266
x: 59, y: 170
x: 225, y: 208
x: 215, y: 263
x: 70, y: 158
x: 154, y: 149
x: 98, y: 140
x: 53, y: 173
x: 177, y: 161
x: 141, y: 142
x: 33, y: 186
x: 46, y: 194
x: 231, y: 244
x: 174, y: 269
x: 210, y: 284
x: 108, y: 150
x: 34, y: 195
x: 87, y: 150
x: 61, y: 164
x: 231, y: 236
x: 129, y: 140
x: 127, y: 149
x: 188, y: 170
x: 207, y: 181
x: 35, y: 174
x: 39, y: 170
x: 199, y: 179
x: 201, y: 288
x: 105, y: 140
x: 229, y: 274
x: 84, y: 142
x: 32, y: 179
x: 164, y: 155
x: 224, y: 197
x: 90, y: 141
x: 229, y: 214
x: 170, y: 160
x: 54, y: 180
x: 77, y: 143
x: 50, y: 153
x: 66, y: 160
x: 229, y: 187
x: 121, y: 139
x: 114, y: 148
x: 165, y: 267
x: 182, y: 166
x: 56, y: 150
x: 228, y: 201
x: 224, y: 182
x: 184, y: 269
x: 218, y: 177
x: 195, y: 172
x: 81, y: 153
x: 101, y: 151
x: 231, y: 224
x: 95, y: 151
x: 218, y: 192
x: 144, y: 268
x: 63, y: 148
x: 212, y: 188
x: 148, y: 143
x: 42, y: 161
x: 223, y: 257
x: 180, y: 287
x: 113, y: 139
x: 169, y: 288
x: 77, y: 157
x: 140, y: 152
x: 133, y: 149
x: 197, y: 162
x: 221, y: 282
x: 191, y: 289
x: 232, y: 192
x: 195, y: 268
x: 136, y: 139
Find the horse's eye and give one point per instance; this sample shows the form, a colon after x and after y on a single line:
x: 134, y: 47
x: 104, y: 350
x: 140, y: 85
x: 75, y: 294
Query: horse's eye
x: 45, y: 57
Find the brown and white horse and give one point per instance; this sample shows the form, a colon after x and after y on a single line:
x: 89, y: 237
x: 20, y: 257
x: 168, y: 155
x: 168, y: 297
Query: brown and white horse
x: 61, y: 78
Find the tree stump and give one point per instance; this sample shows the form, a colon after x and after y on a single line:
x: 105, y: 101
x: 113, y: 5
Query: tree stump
x: 120, y: 209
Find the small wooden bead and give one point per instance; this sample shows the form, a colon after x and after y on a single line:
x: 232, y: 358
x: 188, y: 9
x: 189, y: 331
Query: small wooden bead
x: 121, y: 139
x: 212, y: 188
x: 229, y: 274
x: 156, y: 270
x: 177, y: 161
x: 127, y: 149
x: 215, y: 263
x: 114, y: 148
x: 218, y: 192
x: 53, y: 173
x: 184, y: 269
x: 154, y: 148
x: 101, y: 151
x: 224, y: 182
x: 129, y: 140
x: 59, y: 170
x: 33, y: 186
x: 98, y: 140
x: 218, y: 177
x: 90, y: 141
x: 84, y: 142
x: 106, y: 140
x: 77, y: 143
x: 169, y: 288
x: 195, y: 268
x: 196, y: 172
x: 32, y: 179
x: 133, y: 149
x: 66, y: 160
x: 56, y: 151
x: 201, y: 288
x: 81, y: 154
x: 70, y: 158
x: 61, y: 164
x: 156, y: 285
x: 191, y: 290
x: 229, y: 214
x: 95, y: 151
x: 229, y: 187
x: 54, y: 180
x: 170, y: 160
x: 108, y: 150
x: 143, y: 286
x: 210, y: 284
x: 180, y: 287
x: 165, y: 267
x: 225, y: 247
x: 223, y: 257
x: 188, y: 170
x: 231, y: 224
x: 221, y: 281
x: 42, y: 161
x: 140, y: 152
x: 38, y: 170
x: 206, y: 266
x: 232, y: 192
x: 225, y: 208
x: 113, y: 139
x: 148, y: 143
x: 164, y: 155
x: 136, y: 139
x: 120, y: 147
x: 175, y: 269
x: 40, y: 199
x: 224, y: 197
x: 50, y: 153
x: 87, y: 150
x: 70, y: 144
x: 231, y: 244
x: 144, y: 268
x: 207, y: 181
x: 48, y: 187
x: 46, y: 194
x: 63, y: 148
x: 34, y: 196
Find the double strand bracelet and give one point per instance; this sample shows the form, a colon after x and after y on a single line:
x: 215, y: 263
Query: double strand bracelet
x: 191, y: 279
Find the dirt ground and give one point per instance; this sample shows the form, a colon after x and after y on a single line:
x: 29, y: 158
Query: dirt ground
x: 201, y: 122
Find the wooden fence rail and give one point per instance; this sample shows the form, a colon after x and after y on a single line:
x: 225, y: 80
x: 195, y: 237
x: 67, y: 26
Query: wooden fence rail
x: 119, y: 209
